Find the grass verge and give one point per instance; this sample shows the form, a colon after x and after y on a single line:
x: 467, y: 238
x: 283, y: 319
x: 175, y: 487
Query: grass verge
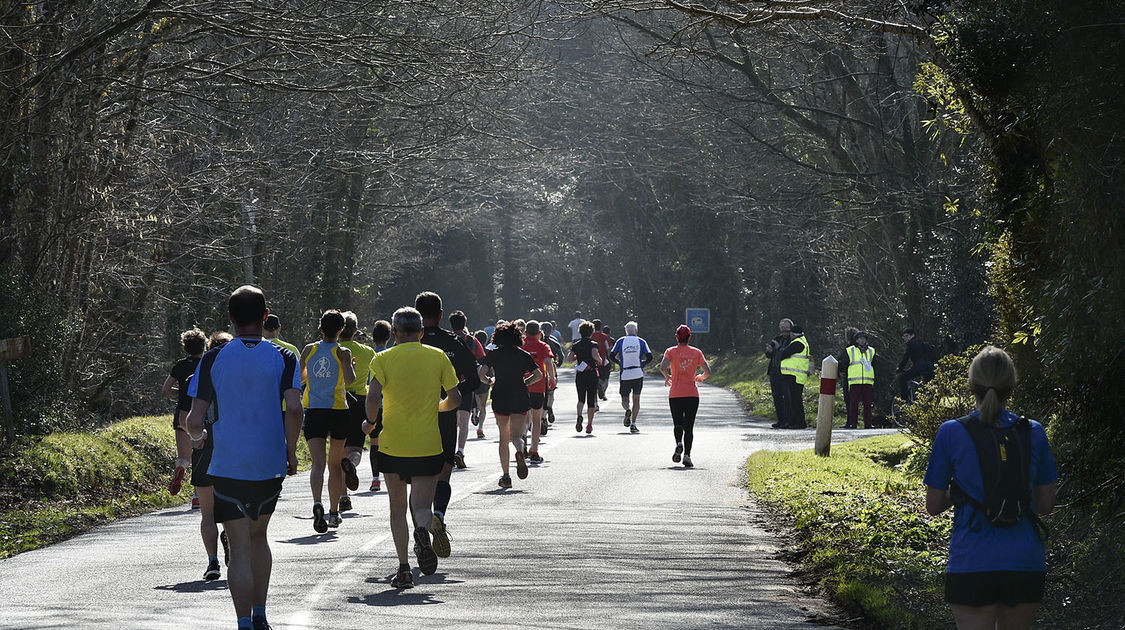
x: 56, y: 486
x: 861, y: 531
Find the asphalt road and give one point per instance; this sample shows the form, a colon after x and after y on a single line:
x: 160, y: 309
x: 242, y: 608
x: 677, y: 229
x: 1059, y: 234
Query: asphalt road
x: 606, y: 533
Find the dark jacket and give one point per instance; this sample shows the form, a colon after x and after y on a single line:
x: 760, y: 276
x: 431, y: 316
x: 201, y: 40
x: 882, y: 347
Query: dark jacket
x: 918, y: 351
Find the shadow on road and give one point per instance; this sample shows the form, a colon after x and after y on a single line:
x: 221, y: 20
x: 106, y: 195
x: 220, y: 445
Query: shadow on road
x: 311, y: 540
x: 396, y: 597
x: 197, y: 586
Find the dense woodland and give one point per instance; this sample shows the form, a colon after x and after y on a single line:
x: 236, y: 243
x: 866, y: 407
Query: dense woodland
x: 952, y: 166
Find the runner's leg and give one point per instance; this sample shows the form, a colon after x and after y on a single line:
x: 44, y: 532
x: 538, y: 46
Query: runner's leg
x: 207, y: 527
x: 400, y: 530
x: 503, y: 425
x: 316, y: 474
x: 335, y: 474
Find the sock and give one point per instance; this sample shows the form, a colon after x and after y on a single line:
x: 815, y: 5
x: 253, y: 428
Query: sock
x: 258, y: 612
x: 212, y: 560
x: 442, y: 494
x: 244, y: 623
x: 404, y: 566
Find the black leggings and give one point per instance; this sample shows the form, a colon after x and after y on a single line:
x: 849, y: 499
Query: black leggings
x: 587, y: 384
x: 683, y: 420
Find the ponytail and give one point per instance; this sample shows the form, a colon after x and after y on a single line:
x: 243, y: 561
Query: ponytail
x: 992, y: 377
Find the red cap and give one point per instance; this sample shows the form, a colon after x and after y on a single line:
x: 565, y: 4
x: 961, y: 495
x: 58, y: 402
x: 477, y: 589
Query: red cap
x: 683, y: 332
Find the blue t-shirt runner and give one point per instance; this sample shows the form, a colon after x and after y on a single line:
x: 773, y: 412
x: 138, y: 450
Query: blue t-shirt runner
x: 245, y: 381
x: 977, y: 545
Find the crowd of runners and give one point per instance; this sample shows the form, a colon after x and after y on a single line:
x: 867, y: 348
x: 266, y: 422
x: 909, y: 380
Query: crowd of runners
x: 409, y: 396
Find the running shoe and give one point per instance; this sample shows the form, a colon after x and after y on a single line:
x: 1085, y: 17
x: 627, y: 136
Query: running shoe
x: 628, y: 416
x: 543, y: 426
x: 459, y: 459
x: 225, y: 542
x: 319, y: 524
x: 505, y: 481
x: 375, y: 487
x: 333, y: 520
x: 474, y: 418
x: 550, y: 415
x: 441, y: 537
x: 403, y: 579
x: 424, y: 551
x: 633, y: 429
x: 480, y: 434
x: 578, y: 425
x: 679, y: 451
x: 351, y: 479
x: 260, y: 623
x: 345, y: 503
x: 212, y: 572
x: 534, y: 457
x: 687, y: 462
x: 194, y: 502
x: 521, y: 466
x: 589, y: 428
x: 177, y: 480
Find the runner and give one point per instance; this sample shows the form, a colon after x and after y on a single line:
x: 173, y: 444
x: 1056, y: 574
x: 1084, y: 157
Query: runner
x: 408, y: 380
x: 326, y: 369
x: 680, y: 368
x: 457, y: 322
x: 510, y: 400
x: 537, y: 391
x: 381, y: 337
x: 271, y: 329
x: 552, y: 338
x: 575, y: 335
x: 201, y: 481
x: 194, y: 342
x: 632, y: 354
x: 480, y: 411
x: 356, y: 395
x: 605, y: 365
x: 584, y: 353
x: 428, y: 304
x: 253, y: 447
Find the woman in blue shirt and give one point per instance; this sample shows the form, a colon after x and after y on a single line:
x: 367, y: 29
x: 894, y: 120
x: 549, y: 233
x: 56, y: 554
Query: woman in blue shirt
x: 995, y: 574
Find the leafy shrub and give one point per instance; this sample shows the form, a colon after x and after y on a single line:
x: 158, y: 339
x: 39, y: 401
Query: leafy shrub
x: 945, y: 397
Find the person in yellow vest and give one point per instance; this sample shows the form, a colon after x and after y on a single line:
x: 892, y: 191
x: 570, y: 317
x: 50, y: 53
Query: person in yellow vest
x: 859, y: 366
x: 796, y: 361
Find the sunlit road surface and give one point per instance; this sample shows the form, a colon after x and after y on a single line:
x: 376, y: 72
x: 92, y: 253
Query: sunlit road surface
x: 606, y: 533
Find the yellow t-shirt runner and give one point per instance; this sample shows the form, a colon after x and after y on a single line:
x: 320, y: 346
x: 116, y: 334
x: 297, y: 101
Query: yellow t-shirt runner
x: 412, y: 376
x: 362, y: 354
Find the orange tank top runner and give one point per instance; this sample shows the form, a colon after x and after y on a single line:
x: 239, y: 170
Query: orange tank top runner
x: 683, y: 362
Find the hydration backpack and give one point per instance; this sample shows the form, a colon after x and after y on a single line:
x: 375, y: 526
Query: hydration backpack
x: 1005, y: 466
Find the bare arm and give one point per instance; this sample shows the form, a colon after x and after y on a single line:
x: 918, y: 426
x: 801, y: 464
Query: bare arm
x: 535, y: 377
x: 482, y: 372
x: 1044, y: 498
x: 349, y: 365
x: 664, y: 365
x: 171, y: 387
x: 374, y: 401
x: 451, y: 401
x: 196, y: 419
x: 706, y: 372
x: 293, y: 418
x: 937, y: 501
x: 597, y: 357
x: 304, y: 367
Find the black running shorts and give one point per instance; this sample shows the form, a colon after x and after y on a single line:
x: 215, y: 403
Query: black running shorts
x: 510, y: 403
x: 447, y: 426
x: 632, y: 386
x: 587, y: 384
x: 536, y: 399
x: 320, y: 423
x: 604, y: 370
x: 985, y: 588
x: 357, y: 411
x: 201, y: 461
x: 409, y: 467
x: 468, y: 401
x: 237, y: 498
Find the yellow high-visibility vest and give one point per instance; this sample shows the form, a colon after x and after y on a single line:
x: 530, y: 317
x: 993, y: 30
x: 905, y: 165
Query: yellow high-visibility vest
x: 798, y: 365
x: 860, y: 369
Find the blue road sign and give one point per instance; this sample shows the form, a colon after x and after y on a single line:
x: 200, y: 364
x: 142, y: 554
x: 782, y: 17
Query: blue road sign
x: 698, y: 319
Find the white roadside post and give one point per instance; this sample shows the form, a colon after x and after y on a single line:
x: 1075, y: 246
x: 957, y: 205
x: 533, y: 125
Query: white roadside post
x: 829, y: 368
